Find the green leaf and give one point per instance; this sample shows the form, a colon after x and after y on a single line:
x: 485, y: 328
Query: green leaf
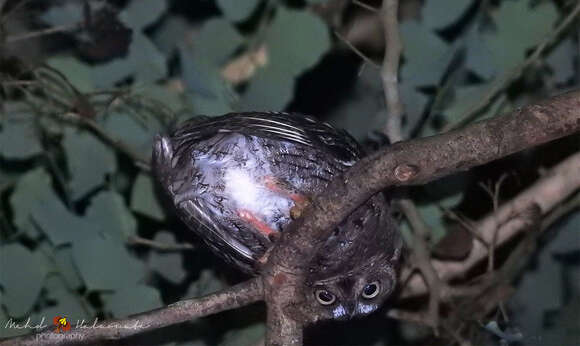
x: 163, y: 94
x: 206, y: 283
x: 148, y: 62
x: 19, y: 138
x: 466, y: 98
x: 22, y: 273
x: 417, y: 70
x: 236, y: 10
x: 144, y: 61
x: 250, y: 335
x: 58, y: 223
x: 64, y: 262
x: 144, y: 200
x: 132, y: 299
x: 107, y: 74
x: 137, y: 134
x: 271, y: 88
x: 170, y: 264
x: 68, y: 303
x: 76, y: 72
x: 36, y: 206
x: 362, y: 111
x: 88, y: 159
x: 109, y: 213
x: 141, y: 13
x: 513, y: 37
x: 438, y: 15
x: 68, y: 14
x: 170, y: 33
x: 479, y: 57
x: 24, y: 196
x: 105, y: 264
x: 208, y: 92
x: 216, y: 51
x: 561, y: 60
x: 415, y: 102
x: 433, y: 217
x: 542, y: 287
x: 291, y: 29
x: 211, y: 106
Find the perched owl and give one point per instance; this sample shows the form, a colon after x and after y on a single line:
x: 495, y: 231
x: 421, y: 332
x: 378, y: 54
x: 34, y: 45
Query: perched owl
x: 235, y: 180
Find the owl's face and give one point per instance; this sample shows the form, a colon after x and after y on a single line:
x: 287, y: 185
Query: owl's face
x: 356, y: 293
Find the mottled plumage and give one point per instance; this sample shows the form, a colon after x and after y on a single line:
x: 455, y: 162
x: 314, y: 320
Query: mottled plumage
x: 235, y: 178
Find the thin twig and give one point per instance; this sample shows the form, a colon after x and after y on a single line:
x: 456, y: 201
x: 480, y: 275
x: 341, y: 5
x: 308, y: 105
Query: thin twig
x: 422, y: 259
x: 393, y: 129
x: 390, y: 70
x: 357, y: 51
x: 138, y: 160
x: 514, y: 74
x: 135, y: 240
x: 466, y: 223
x: 495, y: 198
x: 19, y: 83
x: 44, y: 32
x: 233, y: 297
x: 366, y: 6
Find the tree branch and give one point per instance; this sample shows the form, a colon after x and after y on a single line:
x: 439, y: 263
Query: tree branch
x: 407, y: 163
x: 547, y: 193
x: 233, y: 297
x: 390, y: 70
x: 420, y: 161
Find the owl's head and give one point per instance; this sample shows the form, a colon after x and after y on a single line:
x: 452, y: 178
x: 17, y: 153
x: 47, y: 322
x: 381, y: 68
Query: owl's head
x: 355, y: 293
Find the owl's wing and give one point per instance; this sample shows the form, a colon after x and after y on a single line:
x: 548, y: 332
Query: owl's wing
x: 173, y: 157
x: 289, y: 127
x: 193, y: 209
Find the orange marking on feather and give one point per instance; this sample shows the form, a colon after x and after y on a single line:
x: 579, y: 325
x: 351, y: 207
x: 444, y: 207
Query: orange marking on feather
x: 250, y: 218
x: 274, y: 185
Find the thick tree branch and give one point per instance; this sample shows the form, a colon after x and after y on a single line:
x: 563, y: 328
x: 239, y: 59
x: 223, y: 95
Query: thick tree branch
x: 405, y: 163
x: 420, y: 161
x: 233, y: 297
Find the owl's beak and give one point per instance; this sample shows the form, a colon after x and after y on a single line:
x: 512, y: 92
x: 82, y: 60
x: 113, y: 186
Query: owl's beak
x: 350, y: 310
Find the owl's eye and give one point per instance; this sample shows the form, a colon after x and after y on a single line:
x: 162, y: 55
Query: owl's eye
x: 371, y: 290
x: 324, y: 297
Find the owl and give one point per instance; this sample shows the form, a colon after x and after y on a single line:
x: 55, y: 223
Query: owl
x: 236, y: 179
